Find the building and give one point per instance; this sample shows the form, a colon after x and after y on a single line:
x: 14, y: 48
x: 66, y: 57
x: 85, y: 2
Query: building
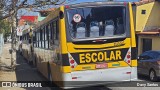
x: 43, y: 13
x: 147, y: 25
x: 26, y: 21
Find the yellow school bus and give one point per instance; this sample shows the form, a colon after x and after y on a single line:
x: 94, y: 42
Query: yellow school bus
x: 86, y: 44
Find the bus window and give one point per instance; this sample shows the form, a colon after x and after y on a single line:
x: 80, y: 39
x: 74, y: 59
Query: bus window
x: 39, y: 40
x: 47, y: 36
x: 56, y: 33
x: 51, y: 35
x: 34, y: 39
x: 43, y: 33
x: 105, y: 21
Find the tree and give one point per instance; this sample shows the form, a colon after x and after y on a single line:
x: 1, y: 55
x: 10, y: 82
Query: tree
x: 5, y: 28
x: 10, y: 7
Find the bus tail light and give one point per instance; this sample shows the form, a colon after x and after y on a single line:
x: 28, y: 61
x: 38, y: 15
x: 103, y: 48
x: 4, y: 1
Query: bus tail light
x: 74, y: 77
x: 72, y: 62
x: 127, y: 58
x: 128, y: 72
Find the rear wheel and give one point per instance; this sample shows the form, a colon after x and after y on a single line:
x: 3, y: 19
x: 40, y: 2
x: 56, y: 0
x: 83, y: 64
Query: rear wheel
x: 50, y: 75
x: 152, y: 75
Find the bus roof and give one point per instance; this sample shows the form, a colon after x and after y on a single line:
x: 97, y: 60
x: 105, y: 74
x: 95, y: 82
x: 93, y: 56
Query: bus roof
x: 53, y: 14
x: 97, y: 3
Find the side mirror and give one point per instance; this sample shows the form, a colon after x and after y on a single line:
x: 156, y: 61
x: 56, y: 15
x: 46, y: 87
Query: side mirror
x: 61, y: 15
x: 137, y: 58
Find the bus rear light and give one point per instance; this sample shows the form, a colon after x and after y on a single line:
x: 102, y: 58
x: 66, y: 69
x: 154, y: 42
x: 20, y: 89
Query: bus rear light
x: 74, y: 77
x: 128, y: 72
x: 129, y: 61
x: 72, y: 61
x: 128, y: 56
x: 72, y: 66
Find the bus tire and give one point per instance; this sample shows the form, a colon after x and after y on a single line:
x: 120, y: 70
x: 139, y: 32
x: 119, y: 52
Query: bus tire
x: 49, y: 73
x: 50, y: 76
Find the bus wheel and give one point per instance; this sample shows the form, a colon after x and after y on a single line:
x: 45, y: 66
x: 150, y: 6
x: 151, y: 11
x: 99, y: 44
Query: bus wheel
x: 50, y: 79
x: 49, y: 75
x: 152, y: 75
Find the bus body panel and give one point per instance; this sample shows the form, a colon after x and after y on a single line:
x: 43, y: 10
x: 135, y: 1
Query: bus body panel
x: 98, y: 77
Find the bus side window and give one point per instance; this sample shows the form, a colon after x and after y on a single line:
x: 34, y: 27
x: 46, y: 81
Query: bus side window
x: 42, y: 40
x: 27, y: 38
x: 56, y: 33
x: 51, y: 35
x: 34, y: 39
x: 47, y: 37
x: 39, y: 41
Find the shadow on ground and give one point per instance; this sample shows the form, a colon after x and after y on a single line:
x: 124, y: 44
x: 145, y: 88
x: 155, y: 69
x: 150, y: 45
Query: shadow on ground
x: 28, y: 73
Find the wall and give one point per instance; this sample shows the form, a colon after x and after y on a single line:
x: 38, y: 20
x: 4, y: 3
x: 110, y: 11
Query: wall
x: 155, y: 43
x: 151, y: 19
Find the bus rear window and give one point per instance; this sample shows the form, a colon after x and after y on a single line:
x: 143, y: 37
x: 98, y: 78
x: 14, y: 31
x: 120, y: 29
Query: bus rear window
x: 95, y: 22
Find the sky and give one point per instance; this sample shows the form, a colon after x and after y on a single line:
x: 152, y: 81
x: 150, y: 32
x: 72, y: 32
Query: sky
x: 28, y: 12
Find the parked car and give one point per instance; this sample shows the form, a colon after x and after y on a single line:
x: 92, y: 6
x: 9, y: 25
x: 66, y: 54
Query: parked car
x: 149, y: 64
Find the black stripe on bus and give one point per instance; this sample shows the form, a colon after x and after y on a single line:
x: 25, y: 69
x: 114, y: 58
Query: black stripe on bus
x: 65, y: 59
x: 100, y: 41
x: 99, y: 48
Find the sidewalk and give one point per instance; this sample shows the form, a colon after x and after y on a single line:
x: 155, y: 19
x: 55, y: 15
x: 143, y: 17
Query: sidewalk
x: 6, y: 74
x: 23, y: 71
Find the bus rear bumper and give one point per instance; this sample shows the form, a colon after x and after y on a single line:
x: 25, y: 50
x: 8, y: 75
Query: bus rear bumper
x: 79, y: 79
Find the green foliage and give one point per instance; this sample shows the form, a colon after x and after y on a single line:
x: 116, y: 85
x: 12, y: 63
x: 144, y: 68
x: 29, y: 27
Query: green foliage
x: 5, y: 28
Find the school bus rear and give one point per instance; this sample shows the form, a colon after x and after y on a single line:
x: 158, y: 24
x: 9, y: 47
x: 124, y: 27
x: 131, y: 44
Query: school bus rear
x: 98, y: 43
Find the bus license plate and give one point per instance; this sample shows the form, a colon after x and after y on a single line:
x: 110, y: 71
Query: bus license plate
x: 102, y: 65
